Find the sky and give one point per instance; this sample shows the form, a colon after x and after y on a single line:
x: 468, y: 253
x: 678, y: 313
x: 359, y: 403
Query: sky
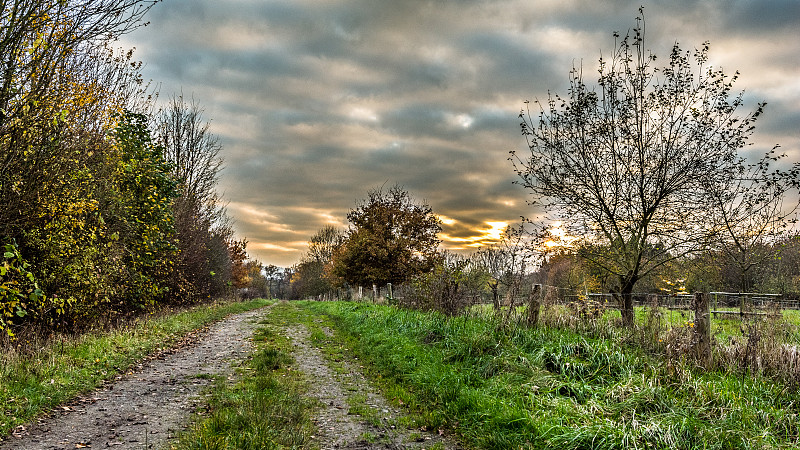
x: 316, y: 102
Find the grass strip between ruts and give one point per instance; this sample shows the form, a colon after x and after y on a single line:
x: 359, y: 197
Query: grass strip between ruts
x: 267, y: 408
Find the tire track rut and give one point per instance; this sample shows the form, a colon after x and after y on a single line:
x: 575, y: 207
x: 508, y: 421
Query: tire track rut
x: 338, y: 428
x: 144, y: 409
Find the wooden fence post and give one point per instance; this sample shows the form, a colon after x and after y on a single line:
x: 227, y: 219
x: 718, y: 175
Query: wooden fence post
x: 702, y: 328
x: 534, y: 304
x: 495, y: 295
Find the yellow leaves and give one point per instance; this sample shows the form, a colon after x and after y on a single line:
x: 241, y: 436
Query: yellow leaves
x: 674, y: 287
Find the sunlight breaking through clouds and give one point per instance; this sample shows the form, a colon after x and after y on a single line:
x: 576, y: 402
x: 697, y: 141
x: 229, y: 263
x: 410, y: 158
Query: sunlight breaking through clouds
x: 482, y: 236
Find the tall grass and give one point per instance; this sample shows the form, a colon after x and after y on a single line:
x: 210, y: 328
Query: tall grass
x: 545, y: 387
x: 36, y: 380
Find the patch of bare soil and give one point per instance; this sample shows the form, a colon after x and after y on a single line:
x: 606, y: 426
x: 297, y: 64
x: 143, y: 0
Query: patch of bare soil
x: 143, y: 409
x: 379, y: 428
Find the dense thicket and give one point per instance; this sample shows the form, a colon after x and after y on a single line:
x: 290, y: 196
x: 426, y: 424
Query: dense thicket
x: 99, y: 214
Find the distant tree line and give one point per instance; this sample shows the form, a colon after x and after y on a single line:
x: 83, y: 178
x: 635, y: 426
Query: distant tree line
x: 778, y: 272
x: 392, y: 239
x: 106, y: 207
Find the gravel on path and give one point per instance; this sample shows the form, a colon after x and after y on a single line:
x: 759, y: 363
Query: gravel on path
x: 145, y: 408
x: 338, y: 429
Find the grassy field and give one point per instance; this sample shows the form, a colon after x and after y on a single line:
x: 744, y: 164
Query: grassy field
x: 35, y: 382
x: 496, y: 386
x: 661, y: 320
x: 512, y: 387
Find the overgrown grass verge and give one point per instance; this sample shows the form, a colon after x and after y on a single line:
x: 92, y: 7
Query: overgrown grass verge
x: 502, y: 387
x: 33, y: 383
x: 265, y: 409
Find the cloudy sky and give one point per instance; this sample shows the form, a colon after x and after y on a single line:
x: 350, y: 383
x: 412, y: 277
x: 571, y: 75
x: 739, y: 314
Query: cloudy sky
x: 318, y: 101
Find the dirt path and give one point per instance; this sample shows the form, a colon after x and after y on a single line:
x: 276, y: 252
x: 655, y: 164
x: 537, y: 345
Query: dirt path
x: 142, y: 410
x: 379, y: 428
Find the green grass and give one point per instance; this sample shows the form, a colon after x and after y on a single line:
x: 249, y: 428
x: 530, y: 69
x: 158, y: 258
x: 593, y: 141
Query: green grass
x: 652, y: 327
x: 338, y: 349
x: 514, y: 387
x: 34, y: 383
x: 265, y: 409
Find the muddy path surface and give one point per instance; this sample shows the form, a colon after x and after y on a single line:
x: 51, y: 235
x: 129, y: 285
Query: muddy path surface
x: 376, y: 425
x: 143, y: 409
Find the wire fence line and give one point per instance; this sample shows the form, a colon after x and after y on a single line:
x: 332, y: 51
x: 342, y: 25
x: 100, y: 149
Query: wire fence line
x: 747, y: 332
x: 560, y: 295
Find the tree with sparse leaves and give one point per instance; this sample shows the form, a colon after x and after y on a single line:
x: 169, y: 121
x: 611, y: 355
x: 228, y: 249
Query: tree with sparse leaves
x: 505, y: 262
x: 309, y: 279
x: 753, y: 210
x: 323, y: 243
x: 628, y: 165
x: 194, y: 155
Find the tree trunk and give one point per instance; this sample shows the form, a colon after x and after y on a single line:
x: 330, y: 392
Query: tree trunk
x: 495, y: 295
x: 626, y: 302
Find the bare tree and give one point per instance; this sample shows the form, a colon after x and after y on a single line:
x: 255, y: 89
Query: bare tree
x: 193, y: 151
x: 752, y: 212
x: 506, y: 262
x: 627, y: 167
x: 199, y: 213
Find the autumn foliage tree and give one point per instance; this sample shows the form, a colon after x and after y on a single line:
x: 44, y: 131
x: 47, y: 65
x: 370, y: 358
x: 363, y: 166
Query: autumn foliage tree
x: 237, y: 252
x: 62, y: 96
x: 391, y: 239
x: 87, y: 195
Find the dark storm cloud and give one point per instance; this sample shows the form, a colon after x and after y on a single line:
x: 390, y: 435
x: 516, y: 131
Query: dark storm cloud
x: 775, y: 16
x: 317, y: 102
x: 516, y: 62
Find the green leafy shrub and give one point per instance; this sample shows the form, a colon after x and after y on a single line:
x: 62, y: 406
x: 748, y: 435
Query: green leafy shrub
x: 19, y: 292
